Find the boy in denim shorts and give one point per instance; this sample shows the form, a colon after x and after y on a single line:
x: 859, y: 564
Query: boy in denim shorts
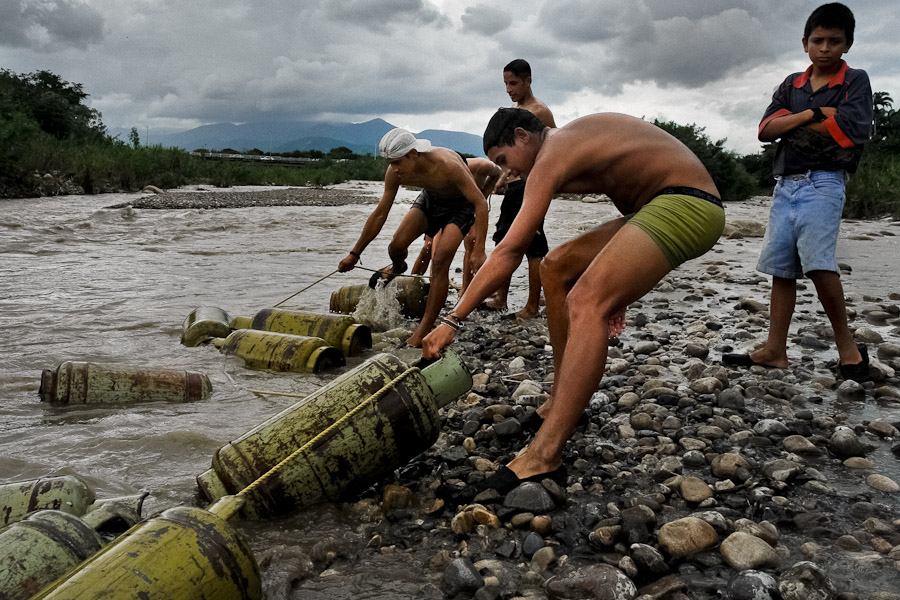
x: 822, y: 117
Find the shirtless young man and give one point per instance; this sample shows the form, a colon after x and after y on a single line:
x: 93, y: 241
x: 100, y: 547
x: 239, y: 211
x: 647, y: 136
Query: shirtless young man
x: 517, y: 77
x: 671, y: 214
x: 453, y: 199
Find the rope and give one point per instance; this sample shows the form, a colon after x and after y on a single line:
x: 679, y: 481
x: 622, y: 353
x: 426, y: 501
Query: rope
x: 374, y: 397
x: 306, y: 288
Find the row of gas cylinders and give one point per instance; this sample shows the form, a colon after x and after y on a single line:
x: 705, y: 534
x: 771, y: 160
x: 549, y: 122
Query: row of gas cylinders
x: 335, y: 442
x: 275, y: 339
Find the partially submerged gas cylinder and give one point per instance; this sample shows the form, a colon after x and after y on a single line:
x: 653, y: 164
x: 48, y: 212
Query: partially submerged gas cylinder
x: 280, y: 351
x: 410, y: 292
x: 204, y: 324
x: 66, y: 493
x: 76, y: 382
x: 340, y: 331
x: 340, y: 439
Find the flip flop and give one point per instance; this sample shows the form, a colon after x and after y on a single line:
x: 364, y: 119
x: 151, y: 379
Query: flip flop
x: 858, y: 372
x: 504, y: 480
x: 743, y: 360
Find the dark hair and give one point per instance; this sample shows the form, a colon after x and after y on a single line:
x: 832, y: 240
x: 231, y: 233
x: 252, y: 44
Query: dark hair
x: 500, y: 130
x: 519, y: 68
x: 833, y: 15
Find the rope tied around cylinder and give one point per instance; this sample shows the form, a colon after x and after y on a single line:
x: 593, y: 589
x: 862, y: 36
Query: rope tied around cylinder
x: 230, y: 509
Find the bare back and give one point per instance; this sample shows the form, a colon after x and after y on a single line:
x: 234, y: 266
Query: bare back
x: 443, y: 172
x: 626, y: 158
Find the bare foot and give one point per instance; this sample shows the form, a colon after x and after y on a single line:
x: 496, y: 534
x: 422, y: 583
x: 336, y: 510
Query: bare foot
x: 494, y: 304
x: 525, y: 464
x: 528, y: 313
x: 764, y: 356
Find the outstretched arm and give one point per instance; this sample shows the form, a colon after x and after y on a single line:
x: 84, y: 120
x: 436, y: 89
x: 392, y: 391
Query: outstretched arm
x: 374, y: 223
x: 502, y: 262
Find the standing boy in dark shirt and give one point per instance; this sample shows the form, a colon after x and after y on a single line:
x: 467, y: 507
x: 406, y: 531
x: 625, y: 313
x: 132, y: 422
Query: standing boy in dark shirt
x: 517, y: 78
x: 823, y: 117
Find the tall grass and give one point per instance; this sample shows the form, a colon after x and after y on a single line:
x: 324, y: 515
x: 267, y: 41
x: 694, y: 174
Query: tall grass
x: 111, y: 165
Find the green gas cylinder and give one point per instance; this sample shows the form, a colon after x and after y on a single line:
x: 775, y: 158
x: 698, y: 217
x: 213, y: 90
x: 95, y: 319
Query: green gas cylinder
x: 410, y: 292
x: 66, y: 493
x: 37, y: 550
x: 204, y: 324
x: 340, y: 331
x: 280, y: 351
x: 184, y: 553
x: 340, y: 439
x: 76, y: 382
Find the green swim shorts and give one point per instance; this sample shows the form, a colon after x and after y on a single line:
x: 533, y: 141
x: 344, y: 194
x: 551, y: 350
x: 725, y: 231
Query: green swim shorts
x: 684, y: 225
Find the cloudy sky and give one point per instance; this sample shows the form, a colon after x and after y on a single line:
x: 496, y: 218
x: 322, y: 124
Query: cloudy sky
x: 422, y: 64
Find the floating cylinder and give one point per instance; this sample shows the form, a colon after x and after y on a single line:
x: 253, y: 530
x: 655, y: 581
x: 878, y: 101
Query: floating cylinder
x: 281, y: 351
x: 340, y: 331
x: 66, y: 493
x: 34, y: 552
x: 183, y: 553
x: 204, y: 324
x: 352, y: 432
x: 76, y: 382
x: 411, y: 293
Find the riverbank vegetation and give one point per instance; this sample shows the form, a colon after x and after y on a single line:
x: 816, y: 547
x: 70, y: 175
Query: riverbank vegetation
x: 51, y: 143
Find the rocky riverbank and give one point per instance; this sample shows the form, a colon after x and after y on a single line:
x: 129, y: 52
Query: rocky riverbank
x: 686, y: 479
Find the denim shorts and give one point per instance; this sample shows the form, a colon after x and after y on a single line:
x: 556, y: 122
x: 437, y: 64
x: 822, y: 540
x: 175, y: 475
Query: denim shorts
x: 804, y: 223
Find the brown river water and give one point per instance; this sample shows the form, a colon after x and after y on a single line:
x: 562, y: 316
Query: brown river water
x: 82, y: 282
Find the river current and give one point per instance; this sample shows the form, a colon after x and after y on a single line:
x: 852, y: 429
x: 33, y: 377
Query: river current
x: 82, y: 282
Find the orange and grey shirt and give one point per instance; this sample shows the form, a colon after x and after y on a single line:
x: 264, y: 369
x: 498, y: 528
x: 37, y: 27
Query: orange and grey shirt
x: 802, y: 150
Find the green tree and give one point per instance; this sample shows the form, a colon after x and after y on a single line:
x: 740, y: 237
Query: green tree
x: 134, y: 138
x: 341, y: 152
x: 730, y: 176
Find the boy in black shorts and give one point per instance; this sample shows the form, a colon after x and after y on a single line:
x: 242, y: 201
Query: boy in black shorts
x: 453, y: 200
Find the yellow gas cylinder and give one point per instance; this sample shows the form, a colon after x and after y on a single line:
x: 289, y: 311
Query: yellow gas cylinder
x: 204, y: 324
x: 75, y: 382
x: 280, y: 351
x: 66, y: 493
x: 340, y: 331
x: 37, y: 550
x: 183, y: 553
x: 340, y: 439
x: 241, y: 323
x: 411, y: 293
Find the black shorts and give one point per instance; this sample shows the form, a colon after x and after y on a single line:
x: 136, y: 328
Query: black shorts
x: 440, y: 212
x: 512, y: 202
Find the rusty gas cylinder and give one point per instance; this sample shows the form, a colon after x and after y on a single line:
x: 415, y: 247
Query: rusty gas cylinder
x: 37, y: 550
x: 410, y: 292
x: 76, y: 382
x: 340, y: 331
x: 340, y: 439
x: 184, y: 553
x: 204, y: 324
x: 66, y: 493
x: 281, y: 351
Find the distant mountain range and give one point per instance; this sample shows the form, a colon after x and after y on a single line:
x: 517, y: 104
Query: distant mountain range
x: 285, y: 136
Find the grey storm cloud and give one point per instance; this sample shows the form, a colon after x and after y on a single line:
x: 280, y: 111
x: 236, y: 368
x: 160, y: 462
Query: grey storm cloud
x: 379, y: 15
x: 686, y: 44
x: 486, y: 19
x: 48, y: 25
